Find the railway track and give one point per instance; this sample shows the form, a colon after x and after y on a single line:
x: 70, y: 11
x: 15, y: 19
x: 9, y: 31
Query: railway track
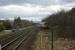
x: 10, y: 37
x: 15, y: 43
x: 11, y: 41
x: 27, y: 43
x: 25, y: 40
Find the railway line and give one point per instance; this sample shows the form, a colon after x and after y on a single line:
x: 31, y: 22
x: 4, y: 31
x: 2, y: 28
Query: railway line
x: 9, y: 40
x: 12, y: 41
x: 10, y: 37
x: 26, y: 40
x: 16, y: 42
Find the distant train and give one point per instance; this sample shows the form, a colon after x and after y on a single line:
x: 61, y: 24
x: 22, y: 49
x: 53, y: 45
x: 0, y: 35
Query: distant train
x: 44, y: 25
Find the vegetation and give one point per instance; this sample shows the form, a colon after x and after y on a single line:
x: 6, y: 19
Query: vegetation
x: 17, y: 23
x: 5, y: 25
x: 1, y: 26
x: 63, y: 22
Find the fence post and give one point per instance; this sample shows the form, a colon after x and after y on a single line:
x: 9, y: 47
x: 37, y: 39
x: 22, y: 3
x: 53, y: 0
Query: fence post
x: 62, y: 48
x: 0, y: 46
x: 52, y: 40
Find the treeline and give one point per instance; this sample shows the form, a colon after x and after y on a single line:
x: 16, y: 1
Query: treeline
x: 5, y: 25
x: 63, y: 23
x: 16, y: 24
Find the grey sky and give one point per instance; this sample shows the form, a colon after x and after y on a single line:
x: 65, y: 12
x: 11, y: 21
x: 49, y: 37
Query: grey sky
x: 32, y: 8
x: 35, y: 2
x: 19, y: 2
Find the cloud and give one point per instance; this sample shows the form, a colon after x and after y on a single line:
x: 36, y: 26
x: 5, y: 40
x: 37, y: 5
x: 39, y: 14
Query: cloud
x: 26, y: 12
x: 30, y: 10
x: 38, y: 9
x: 61, y: 2
x: 35, y: 2
x: 22, y: 10
x: 19, y: 2
x: 67, y: 1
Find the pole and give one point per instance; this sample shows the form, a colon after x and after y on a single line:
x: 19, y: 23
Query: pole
x: 52, y: 40
x: 0, y: 45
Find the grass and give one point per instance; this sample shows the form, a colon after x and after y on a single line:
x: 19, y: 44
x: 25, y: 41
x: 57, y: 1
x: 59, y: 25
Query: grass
x: 3, y: 33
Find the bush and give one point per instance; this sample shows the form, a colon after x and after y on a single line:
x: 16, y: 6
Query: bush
x: 1, y: 27
x: 7, y: 25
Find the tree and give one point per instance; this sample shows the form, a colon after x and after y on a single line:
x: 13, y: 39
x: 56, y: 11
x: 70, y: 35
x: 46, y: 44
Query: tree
x: 65, y: 22
x: 1, y: 26
x: 7, y: 25
x: 17, y: 22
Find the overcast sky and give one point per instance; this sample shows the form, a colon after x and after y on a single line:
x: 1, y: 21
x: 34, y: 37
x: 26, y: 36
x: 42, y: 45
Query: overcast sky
x: 32, y: 9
